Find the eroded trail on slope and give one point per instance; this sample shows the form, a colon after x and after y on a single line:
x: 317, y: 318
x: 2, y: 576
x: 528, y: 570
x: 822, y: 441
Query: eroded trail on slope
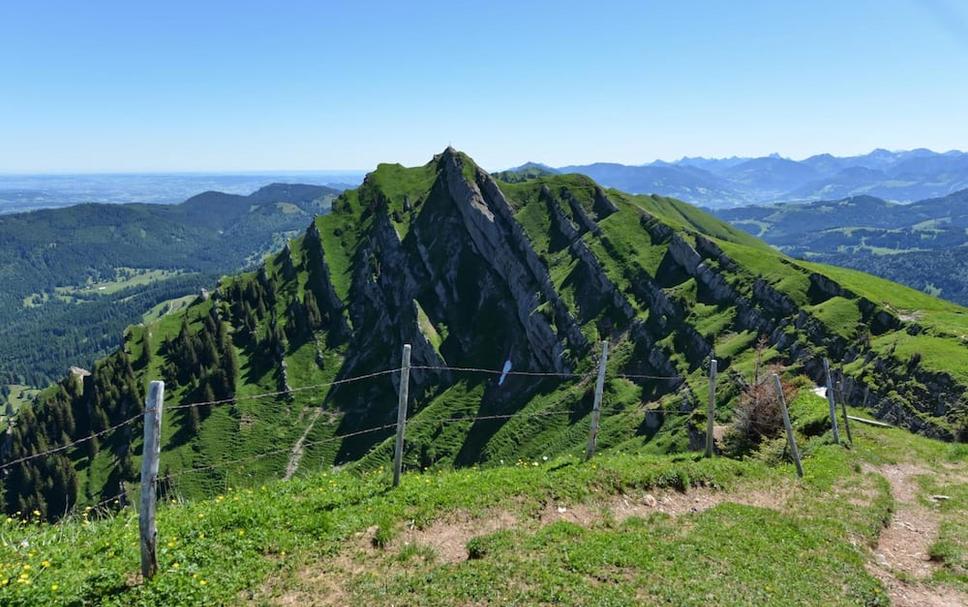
x: 297, y: 449
x: 902, y: 556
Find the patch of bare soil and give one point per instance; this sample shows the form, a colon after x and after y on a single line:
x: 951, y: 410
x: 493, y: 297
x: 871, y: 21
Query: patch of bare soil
x: 322, y: 583
x: 621, y: 507
x: 902, y: 560
x: 448, y: 538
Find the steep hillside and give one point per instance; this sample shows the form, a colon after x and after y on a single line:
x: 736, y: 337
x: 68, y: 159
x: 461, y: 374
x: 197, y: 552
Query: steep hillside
x: 73, y: 278
x: 923, y: 244
x: 474, y: 272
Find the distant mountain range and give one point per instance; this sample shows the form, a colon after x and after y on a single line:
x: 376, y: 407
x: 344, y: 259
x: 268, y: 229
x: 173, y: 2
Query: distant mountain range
x: 903, y: 176
x: 923, y: 244
x: 19, y: 193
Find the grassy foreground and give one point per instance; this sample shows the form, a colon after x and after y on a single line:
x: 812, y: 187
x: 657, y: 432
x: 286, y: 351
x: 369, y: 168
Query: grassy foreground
x: 625, y: 529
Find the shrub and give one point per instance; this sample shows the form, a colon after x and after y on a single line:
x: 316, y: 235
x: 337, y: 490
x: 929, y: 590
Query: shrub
x: 757, y: 415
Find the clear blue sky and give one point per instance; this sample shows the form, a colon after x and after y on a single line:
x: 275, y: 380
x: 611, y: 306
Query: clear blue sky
x: 203, y: 85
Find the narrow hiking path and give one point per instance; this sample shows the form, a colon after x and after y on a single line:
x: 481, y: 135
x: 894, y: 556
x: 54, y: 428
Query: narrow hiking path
x: 902, y: 559
x: 297, y: 449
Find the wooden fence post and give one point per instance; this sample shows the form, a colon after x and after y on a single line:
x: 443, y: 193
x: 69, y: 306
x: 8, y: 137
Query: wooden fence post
x: 843, y: 406
x: 149, y: 478
x: 597, y: 405
x: 789, y: 427
x: 711, y: 407
x: 401, y: 414
x: 831, y: 402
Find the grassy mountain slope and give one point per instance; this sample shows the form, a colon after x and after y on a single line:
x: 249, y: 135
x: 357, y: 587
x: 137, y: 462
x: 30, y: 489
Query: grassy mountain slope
x: 923, y: 244
x: 624, y: 529
x: 528, y: 170
x: 75, y: 277
x: 473, y: 272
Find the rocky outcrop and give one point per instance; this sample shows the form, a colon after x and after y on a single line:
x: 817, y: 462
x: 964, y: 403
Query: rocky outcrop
x: 321, y: 284
x: 502, y: 245
x: 602, y: 206
x: 581, y: 217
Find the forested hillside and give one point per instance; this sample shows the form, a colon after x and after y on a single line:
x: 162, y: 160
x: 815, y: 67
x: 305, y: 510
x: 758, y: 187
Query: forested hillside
x: 474, y: 272
x: 74, y: 278
x: 923, y: 245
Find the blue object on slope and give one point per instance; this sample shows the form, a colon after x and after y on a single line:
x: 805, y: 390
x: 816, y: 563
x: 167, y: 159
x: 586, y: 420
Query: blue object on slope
x: 504, y: 373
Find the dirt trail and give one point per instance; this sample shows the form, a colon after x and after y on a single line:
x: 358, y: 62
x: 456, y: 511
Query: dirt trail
x: 315, y: 584
x: 297, y: 449
x: 902, y: 560
x: 449, y: 537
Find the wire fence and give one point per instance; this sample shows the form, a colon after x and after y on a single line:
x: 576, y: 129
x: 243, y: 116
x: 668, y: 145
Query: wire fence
x: 152, y: 481
x: 325, y: 385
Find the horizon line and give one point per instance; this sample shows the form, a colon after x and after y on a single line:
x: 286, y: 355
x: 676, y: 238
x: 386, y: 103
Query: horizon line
x: 363, y: 172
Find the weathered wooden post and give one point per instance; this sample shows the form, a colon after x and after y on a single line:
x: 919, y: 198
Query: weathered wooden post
x: 791, y: 440
x: 149, y: 478
x: 401, y: 414
x: 597, y: 405
x: 711, y: 407
x: 831, y: 402
x: 843, y: 406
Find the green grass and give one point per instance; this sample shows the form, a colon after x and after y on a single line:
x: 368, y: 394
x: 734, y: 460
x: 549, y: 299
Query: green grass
x: 124, y: 278
x: 168, y: 307
x: 838, y: 314
x: 939, y: 354
x: 773, y: 267
x: 886, y: 293
x: 20, y: 395
x: 301, y: 539
x: 683, y: 215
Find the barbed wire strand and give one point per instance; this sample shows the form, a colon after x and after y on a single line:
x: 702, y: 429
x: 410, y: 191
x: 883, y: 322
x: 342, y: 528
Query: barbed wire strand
x: 337, y: 382
x: 243, y: 460
x: 643, y: 376
x: 495, y: 371
x: 339, y: 437
x: 79, y: 441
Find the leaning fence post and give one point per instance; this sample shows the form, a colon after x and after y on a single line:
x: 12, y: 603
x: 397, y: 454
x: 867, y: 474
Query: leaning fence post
x: 711, y: 407
x: 843, y: 406
x: 149, y: 478
x: 831, y: 402
x: 789, y: 427
x: 401, y: 414
x: 597, y: 405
